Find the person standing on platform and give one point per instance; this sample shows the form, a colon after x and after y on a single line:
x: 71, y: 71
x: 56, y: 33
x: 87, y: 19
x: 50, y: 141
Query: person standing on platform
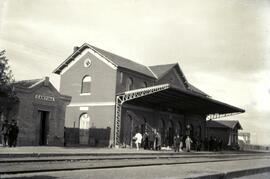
x: 4, y: 132
x: 188, y: 143
x: 198, y: 144
x: 138, y: 140
x: 151, y: 140
x: 176, y: 143
x: 220, y: 141
x: 158, y: 141
x: 181, y: 143
x: 13, y: 134
x: 145, y: 141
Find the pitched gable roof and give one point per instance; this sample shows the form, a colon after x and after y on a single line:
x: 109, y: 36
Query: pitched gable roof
x: 223, y: 124
x: 125, y: 63
x: 161, y: 70
x: 26, y: 83
x: 115, y: 59
x: 34, y: 84
x: 156, y: 72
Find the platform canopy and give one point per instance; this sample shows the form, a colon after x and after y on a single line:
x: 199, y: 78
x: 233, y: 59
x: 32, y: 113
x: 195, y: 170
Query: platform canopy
x: 173, y: 98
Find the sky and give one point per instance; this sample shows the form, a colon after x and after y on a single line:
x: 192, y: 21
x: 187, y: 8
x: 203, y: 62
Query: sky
x: 222, y: 46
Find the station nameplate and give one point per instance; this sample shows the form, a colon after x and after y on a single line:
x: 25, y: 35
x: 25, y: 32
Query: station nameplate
x: 44, y: 98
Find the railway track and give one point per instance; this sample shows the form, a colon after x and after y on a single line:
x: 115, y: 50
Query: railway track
x: 69, y: 163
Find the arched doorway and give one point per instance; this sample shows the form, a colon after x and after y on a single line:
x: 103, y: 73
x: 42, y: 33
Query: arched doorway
x: 128, y: 130
x: 178, y: 130
x: 143, y: 126
x: 191, y: 132
x: 84, y: 124
x: 161, y: 130
x: 200, y: 132
x: 170, y: 134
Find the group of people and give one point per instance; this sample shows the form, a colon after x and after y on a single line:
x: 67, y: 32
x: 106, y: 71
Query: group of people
x: 179, y: 142
x: 213, y: 144
x: 151, y: 140
x: 9, y: 132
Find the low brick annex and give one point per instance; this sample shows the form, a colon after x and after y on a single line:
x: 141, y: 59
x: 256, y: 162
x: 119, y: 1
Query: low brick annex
x: 39, y: 113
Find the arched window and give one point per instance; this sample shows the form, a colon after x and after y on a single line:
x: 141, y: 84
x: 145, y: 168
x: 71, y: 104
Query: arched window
x: 121, y: 77
x: 84, y: 121
x: 86, y: 85
x: 191, y: 131
x: 130, y: 131
x: 145, y: 84
x: 180, y: 132
x: 177, y: 128
x: 130, y: 83
x: 144, y: 126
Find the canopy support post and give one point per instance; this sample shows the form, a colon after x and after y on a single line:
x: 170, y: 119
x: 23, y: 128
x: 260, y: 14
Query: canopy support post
x: 129, y: 95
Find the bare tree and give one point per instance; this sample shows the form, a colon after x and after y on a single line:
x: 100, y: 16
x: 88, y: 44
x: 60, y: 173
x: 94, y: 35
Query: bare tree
x: 6, y: 76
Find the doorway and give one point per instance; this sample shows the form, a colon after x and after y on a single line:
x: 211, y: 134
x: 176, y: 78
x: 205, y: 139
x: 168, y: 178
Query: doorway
x: 84, y: 124
x: 44, y: 126
x: 144, y: 126
x: 170, y: 133
x: 162, y: 130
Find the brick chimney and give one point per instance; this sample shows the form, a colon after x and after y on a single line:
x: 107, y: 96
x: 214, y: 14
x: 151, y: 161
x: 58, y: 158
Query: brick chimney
x: 46, y: 81
x: 75, y: 48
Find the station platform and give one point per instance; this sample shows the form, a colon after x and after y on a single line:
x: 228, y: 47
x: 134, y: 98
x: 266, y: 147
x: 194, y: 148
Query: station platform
x: 33, y: 151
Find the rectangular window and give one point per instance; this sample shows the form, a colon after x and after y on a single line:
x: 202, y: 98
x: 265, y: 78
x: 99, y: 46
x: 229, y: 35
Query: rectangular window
x: 130, y: 84
x: 121, y: 77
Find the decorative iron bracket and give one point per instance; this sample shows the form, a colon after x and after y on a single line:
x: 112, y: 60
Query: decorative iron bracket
x: 126, y: 96
x: 217, y: 115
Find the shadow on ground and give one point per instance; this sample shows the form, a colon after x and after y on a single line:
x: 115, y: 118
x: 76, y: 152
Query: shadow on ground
x: 33, y: 177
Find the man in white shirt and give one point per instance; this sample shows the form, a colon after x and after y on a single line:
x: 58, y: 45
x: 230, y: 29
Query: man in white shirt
x: 188, y: 143
x: 138, y: 141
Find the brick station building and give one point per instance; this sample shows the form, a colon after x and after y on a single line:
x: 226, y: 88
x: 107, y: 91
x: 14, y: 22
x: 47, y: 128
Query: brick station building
x: 39, y: 112
x: 113, y: 97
